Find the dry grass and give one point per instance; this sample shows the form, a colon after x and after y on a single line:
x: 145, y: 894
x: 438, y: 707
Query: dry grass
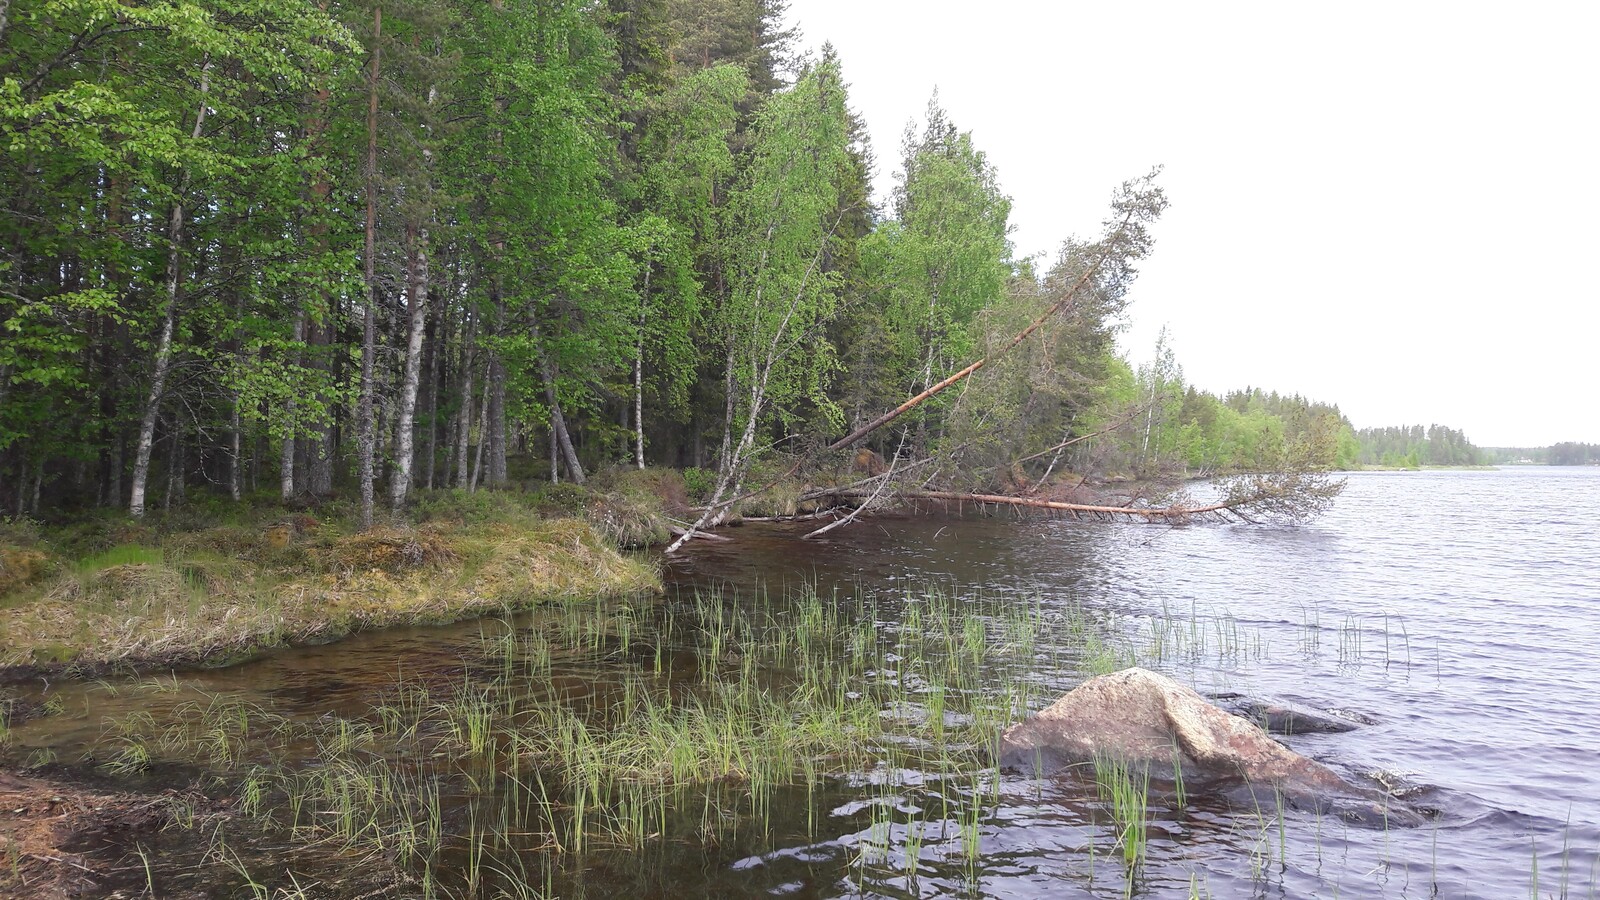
x: 20, y: 567
x: 220, y: 595
x: 635, y: 507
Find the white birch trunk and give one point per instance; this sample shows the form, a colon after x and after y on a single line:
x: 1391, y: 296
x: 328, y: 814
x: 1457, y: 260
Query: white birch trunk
x: 163, y: 360
x: 417, y: 300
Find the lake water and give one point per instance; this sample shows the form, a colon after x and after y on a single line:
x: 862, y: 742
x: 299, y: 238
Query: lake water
x: 1457, y: 611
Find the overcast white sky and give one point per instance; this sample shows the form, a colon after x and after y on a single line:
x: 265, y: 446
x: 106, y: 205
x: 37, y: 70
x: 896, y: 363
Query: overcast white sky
x: 1391, y: 206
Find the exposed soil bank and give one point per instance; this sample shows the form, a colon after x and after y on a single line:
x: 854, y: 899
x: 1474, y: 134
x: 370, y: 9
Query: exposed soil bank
x: 50, y: 832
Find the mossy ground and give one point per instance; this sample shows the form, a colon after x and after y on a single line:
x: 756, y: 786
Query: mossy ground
x: 193, y: 589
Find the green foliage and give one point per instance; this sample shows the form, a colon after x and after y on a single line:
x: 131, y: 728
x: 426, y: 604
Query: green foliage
x: 616, y: 229
x: 1571, y: 453
x: 943, y: 259
x: 699, y: 483
x: 1412, y: 446
x: 781, y: 292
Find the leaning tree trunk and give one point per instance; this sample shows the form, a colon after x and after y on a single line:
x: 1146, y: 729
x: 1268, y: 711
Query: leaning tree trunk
x: 719, y: 505
x: 558, y: 422
x: 163, y: 358
x: 365, y: 427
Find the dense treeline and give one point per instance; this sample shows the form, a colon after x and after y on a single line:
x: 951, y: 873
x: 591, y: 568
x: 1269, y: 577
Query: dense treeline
x: 1411, y: 446
x: 379, y: 245
x: 397, y: 243
x: 372, y: 246
x: 1570, y: 453
x: 1566, y: 453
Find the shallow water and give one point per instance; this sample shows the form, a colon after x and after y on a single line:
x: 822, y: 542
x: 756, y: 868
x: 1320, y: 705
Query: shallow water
x: 1457, y: 610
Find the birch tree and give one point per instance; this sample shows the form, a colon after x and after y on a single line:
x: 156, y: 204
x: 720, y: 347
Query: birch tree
x: 781, y: 293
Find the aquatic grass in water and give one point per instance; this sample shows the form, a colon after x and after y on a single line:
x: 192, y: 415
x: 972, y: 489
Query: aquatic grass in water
x: 1126, y: 793
x: 599, y: 726
x: 789, y: 696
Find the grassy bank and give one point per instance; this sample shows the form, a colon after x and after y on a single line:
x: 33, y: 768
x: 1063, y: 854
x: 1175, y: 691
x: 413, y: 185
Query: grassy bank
x: 215, y: 584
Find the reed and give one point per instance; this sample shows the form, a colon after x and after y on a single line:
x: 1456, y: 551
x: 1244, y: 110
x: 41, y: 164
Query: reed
x: 1126, y: 794
x: 600, y: 726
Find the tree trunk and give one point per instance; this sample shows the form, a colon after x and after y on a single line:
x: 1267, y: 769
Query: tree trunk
x: 555, y: 457
x: 1055, y: 309
x: 638, y: 407
x: 417, y: 283
x: 235, y: 479
x: 319, y: 450
x: 483, y: 429
x: 365, y: 426
x: 558, y: 422
x: 119, y: 463
x: 38, y: 483
x: 558, y: 426
x: 286, y: 463
x: 638, y: 375
x: 495, y: 423
x: 435, y: 367
x: 174, y: 465
x: 1148, y: 514
x: 163, y: 357
x: 464, y: 419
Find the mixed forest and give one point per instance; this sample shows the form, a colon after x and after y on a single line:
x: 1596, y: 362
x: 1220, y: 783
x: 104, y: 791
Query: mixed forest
x: 362, y: 248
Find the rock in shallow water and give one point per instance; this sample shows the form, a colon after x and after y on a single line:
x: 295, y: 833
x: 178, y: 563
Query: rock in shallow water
x: 1149, y: 721
x: 1285, y: 718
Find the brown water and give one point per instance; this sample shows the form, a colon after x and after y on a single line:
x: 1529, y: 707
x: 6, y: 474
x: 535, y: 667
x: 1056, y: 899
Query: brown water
x: 1456, y: 610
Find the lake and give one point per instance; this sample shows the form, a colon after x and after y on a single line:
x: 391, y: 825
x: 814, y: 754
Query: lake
x: 1457, y: 612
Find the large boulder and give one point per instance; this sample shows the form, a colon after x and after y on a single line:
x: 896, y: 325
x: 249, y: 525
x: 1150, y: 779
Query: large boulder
x: 1148, y: 721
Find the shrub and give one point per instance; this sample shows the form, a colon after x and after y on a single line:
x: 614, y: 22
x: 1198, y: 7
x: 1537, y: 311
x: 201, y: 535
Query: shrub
x: 699, y: 483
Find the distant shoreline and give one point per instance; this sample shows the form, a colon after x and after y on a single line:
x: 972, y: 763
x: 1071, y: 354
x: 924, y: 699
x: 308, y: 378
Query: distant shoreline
x: 1426, y: 469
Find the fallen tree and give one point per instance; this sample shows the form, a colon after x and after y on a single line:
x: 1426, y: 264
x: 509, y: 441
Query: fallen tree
x: 1297, y: 492
x: 1277, y: 496
x: 1127, y: 240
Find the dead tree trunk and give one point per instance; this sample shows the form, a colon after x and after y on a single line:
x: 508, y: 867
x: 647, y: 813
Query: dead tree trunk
x: 1149, y: 514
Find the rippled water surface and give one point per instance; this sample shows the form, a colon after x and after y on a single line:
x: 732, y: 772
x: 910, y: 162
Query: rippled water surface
x: 1458, y: 611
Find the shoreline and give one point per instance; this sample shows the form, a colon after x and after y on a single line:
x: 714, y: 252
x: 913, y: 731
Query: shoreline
x: 221, y: 596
